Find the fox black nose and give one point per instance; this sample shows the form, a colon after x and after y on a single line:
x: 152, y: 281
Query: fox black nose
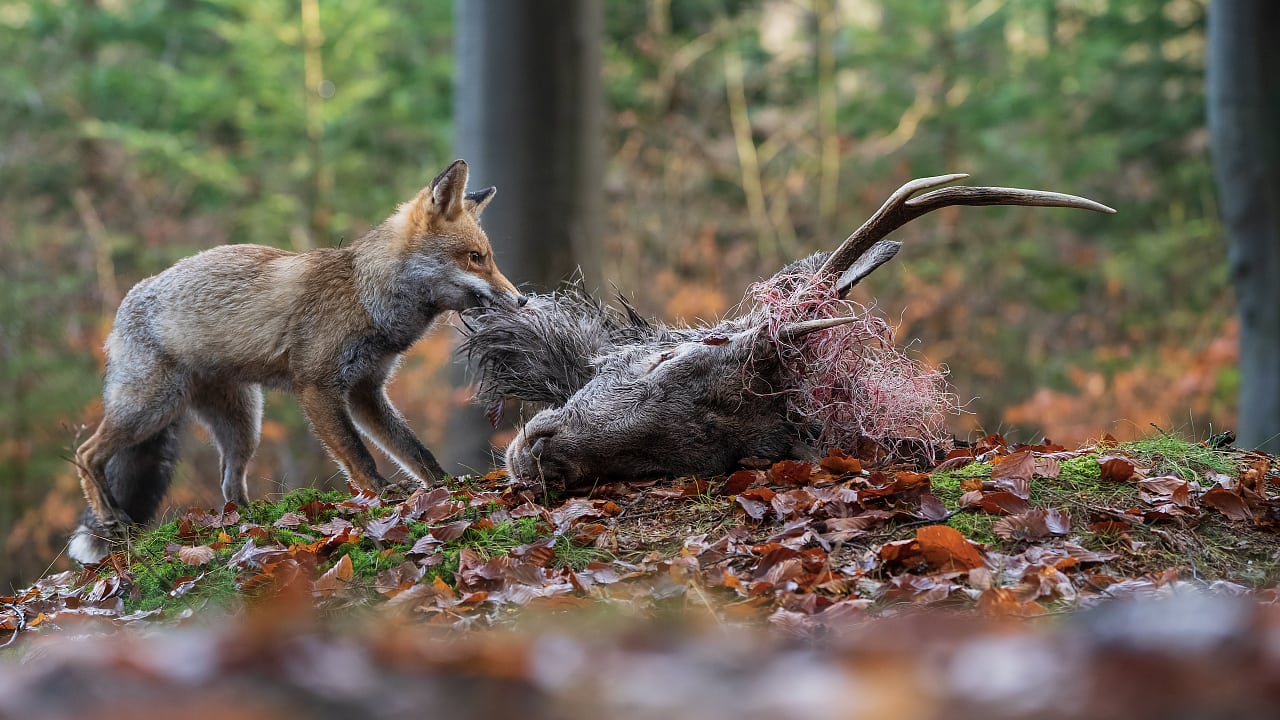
x: 522, y: 300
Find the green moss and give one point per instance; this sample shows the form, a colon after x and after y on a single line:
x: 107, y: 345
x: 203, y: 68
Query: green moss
x: 155, y: 577
x: 267, y: 513
x: 976, y: 525
x: 945, y: 484
x: 1169, y: 454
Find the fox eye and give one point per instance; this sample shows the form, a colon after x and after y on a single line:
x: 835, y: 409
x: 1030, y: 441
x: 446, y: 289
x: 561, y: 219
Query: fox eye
x: 476, y: 257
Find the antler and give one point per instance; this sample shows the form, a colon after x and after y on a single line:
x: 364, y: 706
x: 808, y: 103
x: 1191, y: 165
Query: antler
x: 865, y: 250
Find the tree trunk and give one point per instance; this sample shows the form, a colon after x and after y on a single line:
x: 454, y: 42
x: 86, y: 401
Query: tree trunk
x: 1244, y: 124
x: 528, y: 104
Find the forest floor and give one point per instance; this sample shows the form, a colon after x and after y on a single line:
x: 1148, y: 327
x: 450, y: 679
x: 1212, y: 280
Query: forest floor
x: 794, y: 589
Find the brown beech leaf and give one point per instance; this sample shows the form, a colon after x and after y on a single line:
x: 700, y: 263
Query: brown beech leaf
x: 1048, y: 468
x: 1004, y: 602
x: 931, y: 508
x: 361, y: 498
x: 426, y: 545
x: 1254, y: 476
x: 450, y: 531
x: 791, y: 472
x: 422, y: 501
x: 1116, y: 469
x: 1013, y: 473
x: 335, y: 526
x: 183, y: 585
x: 741, y: 480
x: 1033, y: 525
x: 539, y: 553
x: 755, y: 508
x: 290, y: 519
x: 837, y: 463
x: 945, y: 549
x: 1228, y: 503
x: 524, y: 510
x: 197, y: 555
x: 697, y: 487
x: 336, y: 578
x: 1165, y: 485
x: 389, y: 529
x: 1001, y: 502
x: 906, y: 480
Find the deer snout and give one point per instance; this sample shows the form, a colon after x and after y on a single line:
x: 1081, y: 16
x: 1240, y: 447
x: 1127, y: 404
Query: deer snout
x: 536, y: 439
x: 530, y: 455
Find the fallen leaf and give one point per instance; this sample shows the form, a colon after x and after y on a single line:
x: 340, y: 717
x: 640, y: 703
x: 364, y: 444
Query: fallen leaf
x: 1228, y: 503
x: 290, y: 519
x: 387, y: 529
x: 791, y: 472
x: 1004, y: 602
x: 837, y: 463
x: 197, y: 555
x: 1116, y: 469
x: 1001, y: 502
x: 451, y: 531
x: 931, y: 508
x: 945, y: 549
x: 1033, y: 525
x: 755, y: 508
x: 1013, y: 473
x: 337, y: 578
x: 741, y: 480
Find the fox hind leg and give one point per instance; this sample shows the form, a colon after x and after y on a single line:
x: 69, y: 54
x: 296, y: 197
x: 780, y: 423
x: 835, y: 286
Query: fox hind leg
x: 233, y: 416
x: 145, y: 403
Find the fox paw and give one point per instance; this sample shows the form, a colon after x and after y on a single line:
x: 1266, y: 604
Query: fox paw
x: 404, y: 486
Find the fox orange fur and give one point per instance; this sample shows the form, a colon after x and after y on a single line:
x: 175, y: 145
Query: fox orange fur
x: 204, y: 336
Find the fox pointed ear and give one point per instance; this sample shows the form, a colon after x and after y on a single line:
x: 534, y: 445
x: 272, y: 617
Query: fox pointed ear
x: 448, y: 189
x: 476, y: 202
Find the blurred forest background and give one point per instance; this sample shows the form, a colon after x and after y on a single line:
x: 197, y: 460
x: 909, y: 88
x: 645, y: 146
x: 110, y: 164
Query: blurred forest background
x: 738, y: 135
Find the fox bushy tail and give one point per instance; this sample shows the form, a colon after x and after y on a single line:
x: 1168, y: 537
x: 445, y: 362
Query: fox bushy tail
x: 139, y: 477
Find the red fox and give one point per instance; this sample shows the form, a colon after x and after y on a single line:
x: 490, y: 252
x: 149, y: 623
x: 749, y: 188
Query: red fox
x: 205, y: 335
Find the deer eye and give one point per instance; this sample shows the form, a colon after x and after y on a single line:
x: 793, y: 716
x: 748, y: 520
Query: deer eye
x: 476, y: 257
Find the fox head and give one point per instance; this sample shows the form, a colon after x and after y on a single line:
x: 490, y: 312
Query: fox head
x: 442, y: 248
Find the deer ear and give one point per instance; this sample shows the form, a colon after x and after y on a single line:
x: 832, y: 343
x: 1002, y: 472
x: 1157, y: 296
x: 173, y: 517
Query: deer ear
x: 448, y: 189
x: 476, y: 202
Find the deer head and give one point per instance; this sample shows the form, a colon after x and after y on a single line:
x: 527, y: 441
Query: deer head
x: 792, y: 373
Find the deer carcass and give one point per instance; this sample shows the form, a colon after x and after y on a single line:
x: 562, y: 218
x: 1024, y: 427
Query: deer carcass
x: 799, y: 369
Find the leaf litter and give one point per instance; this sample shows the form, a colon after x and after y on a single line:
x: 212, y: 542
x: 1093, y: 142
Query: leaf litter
x: 811, y: 549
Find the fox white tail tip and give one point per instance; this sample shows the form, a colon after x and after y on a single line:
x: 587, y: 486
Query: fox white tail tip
x: 87, y: 548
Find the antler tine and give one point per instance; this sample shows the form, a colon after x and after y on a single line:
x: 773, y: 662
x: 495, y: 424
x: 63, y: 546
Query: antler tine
x: 884, y: 221
x: 797, y: 330
x: 901, y: 209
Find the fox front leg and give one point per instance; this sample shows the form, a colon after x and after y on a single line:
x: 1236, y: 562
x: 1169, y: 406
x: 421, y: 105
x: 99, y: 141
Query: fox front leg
x: 326, y: 409
x: 387, y: 427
